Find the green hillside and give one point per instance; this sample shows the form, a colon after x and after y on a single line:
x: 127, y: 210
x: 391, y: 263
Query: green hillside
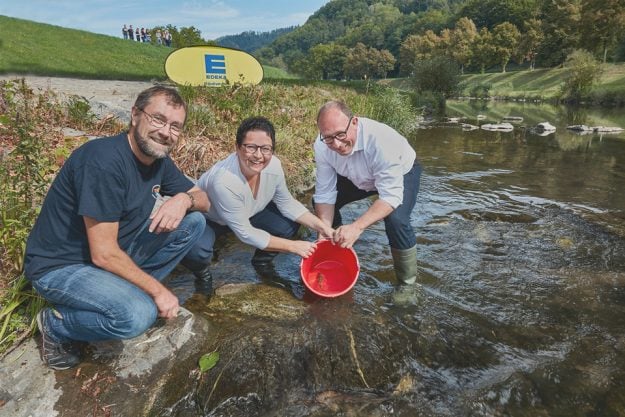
x: 40, y: 49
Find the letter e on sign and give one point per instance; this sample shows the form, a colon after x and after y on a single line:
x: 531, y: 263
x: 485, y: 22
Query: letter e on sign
x: 215, y: 64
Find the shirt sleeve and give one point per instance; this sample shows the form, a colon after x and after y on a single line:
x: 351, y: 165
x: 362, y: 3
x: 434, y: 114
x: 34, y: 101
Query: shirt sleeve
x: 100, y: 193
x: 288, y: 206
x: 230, y: 206
x: 174, y: 181
x: 388, y: 175
x: 325, y: 184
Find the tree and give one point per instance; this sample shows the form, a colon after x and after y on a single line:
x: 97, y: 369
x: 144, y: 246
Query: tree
x: 188, y: 36
x: 462, y: 38
x: 561, y: 26
x: 365, y: 62
x: 602, y: 21
x: 324, y: 61
x: 483, y: 51
x: 439, y: 74
x: 583, y: 71
x: 505, y: 41
x: 530, y: 42
x: 417, y: 47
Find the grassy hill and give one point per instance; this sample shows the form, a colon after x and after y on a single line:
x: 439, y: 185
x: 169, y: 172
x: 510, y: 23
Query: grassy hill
x: 41, y: 49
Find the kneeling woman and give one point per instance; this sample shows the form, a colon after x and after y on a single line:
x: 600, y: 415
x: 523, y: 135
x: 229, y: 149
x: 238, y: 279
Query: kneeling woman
x: 249, y: 197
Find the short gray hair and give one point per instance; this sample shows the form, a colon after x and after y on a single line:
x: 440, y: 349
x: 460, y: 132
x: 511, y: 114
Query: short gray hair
x: 335, y: 104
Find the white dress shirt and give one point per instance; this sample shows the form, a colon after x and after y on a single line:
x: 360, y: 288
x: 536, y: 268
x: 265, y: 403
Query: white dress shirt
x: 379, y: 160
x: 232, y: 201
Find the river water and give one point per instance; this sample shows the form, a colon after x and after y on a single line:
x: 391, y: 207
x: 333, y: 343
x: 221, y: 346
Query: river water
x: 520, y: 304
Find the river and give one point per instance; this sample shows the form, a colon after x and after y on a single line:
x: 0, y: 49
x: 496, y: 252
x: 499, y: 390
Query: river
x: 519, y: 308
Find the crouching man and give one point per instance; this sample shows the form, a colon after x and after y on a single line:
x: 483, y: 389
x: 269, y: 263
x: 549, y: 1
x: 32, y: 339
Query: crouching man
x: 101, y: 245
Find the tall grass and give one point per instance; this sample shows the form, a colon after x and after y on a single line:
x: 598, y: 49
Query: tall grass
x: 33, y: 150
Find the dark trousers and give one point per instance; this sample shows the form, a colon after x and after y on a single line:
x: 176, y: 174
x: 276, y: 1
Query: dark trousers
x: 269, y: 219
x: 400, y: 233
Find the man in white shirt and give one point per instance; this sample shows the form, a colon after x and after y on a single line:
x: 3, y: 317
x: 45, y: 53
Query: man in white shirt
x: 250, y: 198
x: 359, y: 157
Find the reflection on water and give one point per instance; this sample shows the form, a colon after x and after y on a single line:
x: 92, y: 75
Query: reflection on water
x: 520, y: 307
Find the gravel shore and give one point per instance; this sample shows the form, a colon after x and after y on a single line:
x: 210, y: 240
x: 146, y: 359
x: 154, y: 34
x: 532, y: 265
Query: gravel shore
x: 105, y: 96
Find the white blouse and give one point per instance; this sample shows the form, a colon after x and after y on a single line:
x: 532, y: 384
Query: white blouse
x: 232, y: 201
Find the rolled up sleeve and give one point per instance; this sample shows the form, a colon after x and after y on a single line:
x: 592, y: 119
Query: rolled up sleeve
x: 325, y: 184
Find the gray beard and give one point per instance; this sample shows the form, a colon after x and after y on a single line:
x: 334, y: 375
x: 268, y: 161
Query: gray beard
x: 145, y: 147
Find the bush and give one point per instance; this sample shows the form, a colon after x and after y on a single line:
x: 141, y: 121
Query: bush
x: 583, y: 72
x: 439, y: 75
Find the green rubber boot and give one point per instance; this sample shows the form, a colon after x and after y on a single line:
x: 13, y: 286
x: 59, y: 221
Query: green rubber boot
x: 405, y: 261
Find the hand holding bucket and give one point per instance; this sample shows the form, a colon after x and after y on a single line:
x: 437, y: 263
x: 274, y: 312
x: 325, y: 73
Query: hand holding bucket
x: 331, y: 270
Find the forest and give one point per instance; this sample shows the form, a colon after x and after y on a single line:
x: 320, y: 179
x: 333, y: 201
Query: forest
x: 356, y: 39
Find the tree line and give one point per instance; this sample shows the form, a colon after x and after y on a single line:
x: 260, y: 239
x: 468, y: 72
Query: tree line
x: 376, y: 38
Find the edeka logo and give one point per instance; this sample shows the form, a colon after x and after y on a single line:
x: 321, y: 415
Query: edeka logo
x: 215, y: 67
x: 212, y: 66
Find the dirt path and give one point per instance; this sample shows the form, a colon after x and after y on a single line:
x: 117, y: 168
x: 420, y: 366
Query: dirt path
x: 105, y: 96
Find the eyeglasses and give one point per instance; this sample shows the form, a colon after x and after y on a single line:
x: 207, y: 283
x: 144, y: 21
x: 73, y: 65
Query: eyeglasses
x: 337, y: 136
x: 159, y: 123
x: 265, y: 150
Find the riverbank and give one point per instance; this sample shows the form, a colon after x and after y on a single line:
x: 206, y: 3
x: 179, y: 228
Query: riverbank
x: 543, y: 84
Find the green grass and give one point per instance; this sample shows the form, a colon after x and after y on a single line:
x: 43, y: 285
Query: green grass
x: 40, y: 49
x: 276, y: 73
x: 540, y: 83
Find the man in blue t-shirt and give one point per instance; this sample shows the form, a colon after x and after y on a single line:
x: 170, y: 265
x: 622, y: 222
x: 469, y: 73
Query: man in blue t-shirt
x: 108, y: 235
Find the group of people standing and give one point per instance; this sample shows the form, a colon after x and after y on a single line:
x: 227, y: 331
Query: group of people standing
x: 120, y: 215
x: 145, y: 35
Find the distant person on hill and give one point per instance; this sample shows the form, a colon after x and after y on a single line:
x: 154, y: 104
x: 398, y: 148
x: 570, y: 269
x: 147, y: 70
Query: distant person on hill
x: 148, y: 36
x: 137, y: 35
x: 106, y: 236
x: 159, y: 40
x: 125, y: 32
x: 356, y: 158
x: 131, y: 33
x: 167, y: 38
x: 142, y: 34
x: 249, y: 197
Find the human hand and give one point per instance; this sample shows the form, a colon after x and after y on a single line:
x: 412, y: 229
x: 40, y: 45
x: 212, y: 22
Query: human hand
x: 326, y: 233
x: 303, y: 248
x: 345, y: 236
x: 167, y: 304
x: 168, y: 216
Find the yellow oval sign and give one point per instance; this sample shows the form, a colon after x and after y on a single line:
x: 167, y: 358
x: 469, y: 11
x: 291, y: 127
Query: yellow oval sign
x: 212, y: 66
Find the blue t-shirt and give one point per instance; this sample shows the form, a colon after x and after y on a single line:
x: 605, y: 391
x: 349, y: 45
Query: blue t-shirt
x: 102, y: 179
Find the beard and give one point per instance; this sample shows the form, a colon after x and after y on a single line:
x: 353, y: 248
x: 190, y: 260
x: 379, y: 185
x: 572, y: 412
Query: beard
x: 151, y: 148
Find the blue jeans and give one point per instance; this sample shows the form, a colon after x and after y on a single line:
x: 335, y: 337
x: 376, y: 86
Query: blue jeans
x: 269, y: 219
x: 399, y: 231
x: 95, y: 304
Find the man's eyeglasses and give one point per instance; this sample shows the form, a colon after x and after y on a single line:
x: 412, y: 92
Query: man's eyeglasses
x: 159, y: 123
x: 337, y: 136
x: 265, y: 150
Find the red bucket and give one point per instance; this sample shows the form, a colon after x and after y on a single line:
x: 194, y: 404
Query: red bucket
x: 331, y: 270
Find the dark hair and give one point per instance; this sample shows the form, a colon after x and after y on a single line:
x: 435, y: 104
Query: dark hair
x: 335, y: 104
x: 256, y: 123
x: 171, y: 95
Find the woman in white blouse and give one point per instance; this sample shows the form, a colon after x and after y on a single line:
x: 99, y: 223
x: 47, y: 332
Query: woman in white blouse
x: 249, y: 197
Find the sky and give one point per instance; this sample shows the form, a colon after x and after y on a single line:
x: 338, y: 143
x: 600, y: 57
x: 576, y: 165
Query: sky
x: 214, y: 18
